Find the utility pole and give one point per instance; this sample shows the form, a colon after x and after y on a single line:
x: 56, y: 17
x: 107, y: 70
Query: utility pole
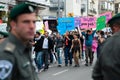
x: 65, y: 7
x: 87, y: 6
x: 99, y: 7
x: 58, y: 8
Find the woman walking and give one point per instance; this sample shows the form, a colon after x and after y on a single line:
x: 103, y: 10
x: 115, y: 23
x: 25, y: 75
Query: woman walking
x: 76, y: 49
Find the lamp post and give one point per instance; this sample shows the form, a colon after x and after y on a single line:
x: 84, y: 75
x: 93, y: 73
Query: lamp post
x: 87, y: 4
x: 65, y: 7
x: 99, y: 6
x: 58, y: 8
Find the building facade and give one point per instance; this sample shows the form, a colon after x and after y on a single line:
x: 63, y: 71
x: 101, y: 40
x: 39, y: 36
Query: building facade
x: 106, y: 5
x: 117, y: 6
x: 73, y: 7
x: 55, y: 9
x: 89, y: 7
x: 93, y: 7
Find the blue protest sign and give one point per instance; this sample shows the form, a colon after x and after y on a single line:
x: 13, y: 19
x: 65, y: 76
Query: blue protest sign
x: 61, y: 29
x: 66, y: 24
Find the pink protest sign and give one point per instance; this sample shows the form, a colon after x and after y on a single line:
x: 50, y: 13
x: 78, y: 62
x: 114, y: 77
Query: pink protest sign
x: 84, y: 22
x: 108, y: 16
x: 92, y: 22
x: 46, y: 25
x: 88, y: 22
x: 94, y: 45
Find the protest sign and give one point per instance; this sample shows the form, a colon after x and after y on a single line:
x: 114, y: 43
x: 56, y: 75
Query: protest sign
x: 77, y: 21
x: 91, y: 22
x: 108, y: 16
x: 101, y: 22
x: 65, y: 24
x: 84, y: 22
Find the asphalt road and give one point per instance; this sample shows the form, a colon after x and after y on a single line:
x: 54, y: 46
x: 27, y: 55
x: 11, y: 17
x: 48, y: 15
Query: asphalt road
x: 67, y: 73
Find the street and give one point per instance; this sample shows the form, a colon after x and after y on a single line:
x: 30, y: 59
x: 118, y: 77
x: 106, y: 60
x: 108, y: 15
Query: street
x: 67, y: 73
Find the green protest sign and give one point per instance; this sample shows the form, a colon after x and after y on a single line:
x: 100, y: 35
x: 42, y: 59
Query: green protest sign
x: 101, y: 22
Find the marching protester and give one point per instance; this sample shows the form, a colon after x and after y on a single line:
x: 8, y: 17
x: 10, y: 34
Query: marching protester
x: 101, y: 39
x: 59, y: 48
x: 38, y: 51
x: 67, y: 46
x: 76, y: 50
x: 47, y: 47
x: 88, y: 45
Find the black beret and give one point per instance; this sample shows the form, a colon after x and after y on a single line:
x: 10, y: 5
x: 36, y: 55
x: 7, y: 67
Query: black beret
x: 111, y: 21
x: 21, y: 9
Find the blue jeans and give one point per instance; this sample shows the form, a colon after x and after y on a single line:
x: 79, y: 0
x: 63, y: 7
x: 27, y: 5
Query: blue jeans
x: 39, y: 59
x: 59, y: 55
x: 68, y: 55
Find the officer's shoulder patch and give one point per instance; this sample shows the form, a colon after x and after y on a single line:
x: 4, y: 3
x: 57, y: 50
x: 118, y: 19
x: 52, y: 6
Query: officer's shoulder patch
x: 5, y: 69
x: 9, y: 47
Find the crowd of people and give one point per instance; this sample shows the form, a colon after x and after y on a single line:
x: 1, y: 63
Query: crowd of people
x: 15, y: 50
x: 71, y: 47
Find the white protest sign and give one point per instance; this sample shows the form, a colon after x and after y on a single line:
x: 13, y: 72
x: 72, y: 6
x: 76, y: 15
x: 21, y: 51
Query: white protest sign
x: 3, y: 27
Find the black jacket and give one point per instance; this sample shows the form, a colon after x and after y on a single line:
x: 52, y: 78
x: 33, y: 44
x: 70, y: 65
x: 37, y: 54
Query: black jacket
x: 69, y: 41
x: 39, y: 44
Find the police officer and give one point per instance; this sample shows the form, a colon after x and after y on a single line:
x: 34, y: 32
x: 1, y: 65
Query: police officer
x: 108, y: 63
x: 15, y: 51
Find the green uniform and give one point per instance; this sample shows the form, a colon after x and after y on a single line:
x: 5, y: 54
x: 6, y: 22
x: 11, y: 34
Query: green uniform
x: 107, y: 66
x: 15, y: 60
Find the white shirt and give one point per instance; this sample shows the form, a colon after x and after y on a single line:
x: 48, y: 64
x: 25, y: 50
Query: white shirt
x: 45, y: 43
